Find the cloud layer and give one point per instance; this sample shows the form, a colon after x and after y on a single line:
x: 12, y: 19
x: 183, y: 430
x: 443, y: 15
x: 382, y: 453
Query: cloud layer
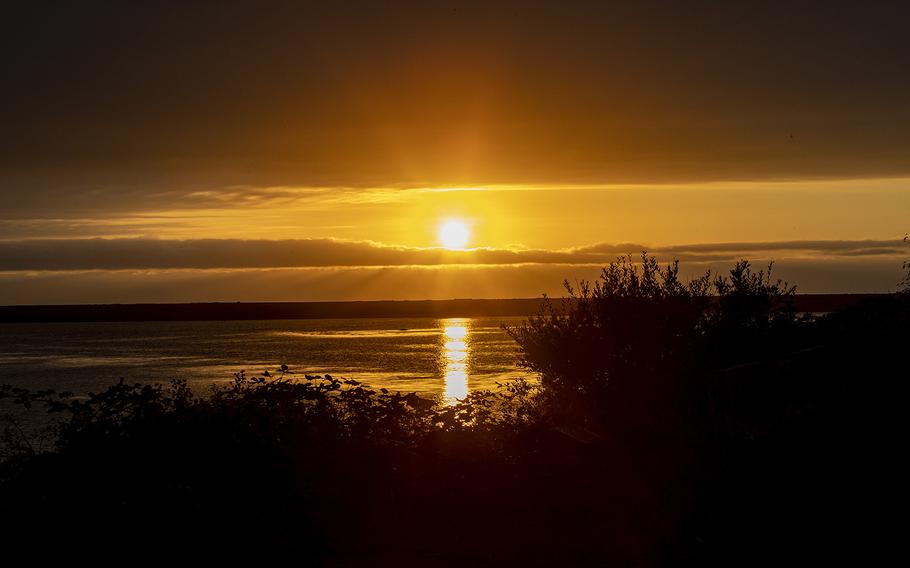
x: 148, y: 270
x: 160, y: 254
x: 130, y: 98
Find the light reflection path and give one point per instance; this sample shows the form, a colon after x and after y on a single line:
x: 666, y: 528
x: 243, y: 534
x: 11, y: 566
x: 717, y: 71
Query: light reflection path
x: 455, y: 352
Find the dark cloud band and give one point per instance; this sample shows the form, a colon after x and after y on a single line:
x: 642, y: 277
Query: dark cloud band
x: 139, y: 254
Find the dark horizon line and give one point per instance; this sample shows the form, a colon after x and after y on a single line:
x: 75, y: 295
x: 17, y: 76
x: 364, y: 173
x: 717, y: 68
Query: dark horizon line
x: 343, y: 309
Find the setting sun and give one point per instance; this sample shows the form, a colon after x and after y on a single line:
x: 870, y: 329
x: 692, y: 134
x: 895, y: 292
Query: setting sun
x: 454, y: 234
x: 459, y: 253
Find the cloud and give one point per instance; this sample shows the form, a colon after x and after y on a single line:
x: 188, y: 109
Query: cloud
x: 796, y: 248
x: 208, y: 254
x: 314, y: 93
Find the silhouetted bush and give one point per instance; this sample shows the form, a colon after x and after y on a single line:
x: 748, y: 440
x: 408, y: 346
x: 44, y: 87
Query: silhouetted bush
x: 905, y: 281
x: 674, y: 423
x: 617, y: 348
x: 303, y: 454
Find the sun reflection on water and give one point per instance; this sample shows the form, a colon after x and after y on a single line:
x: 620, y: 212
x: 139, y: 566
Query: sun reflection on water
x: 455, y: 354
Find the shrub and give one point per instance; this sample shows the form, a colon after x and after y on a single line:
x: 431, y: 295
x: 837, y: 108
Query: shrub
x: 629, y: 325
x: 620, y: 346
x: 301, y: 455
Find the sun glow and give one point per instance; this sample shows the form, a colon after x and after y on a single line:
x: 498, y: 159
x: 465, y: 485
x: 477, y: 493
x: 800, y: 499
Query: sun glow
x: 454, y: 234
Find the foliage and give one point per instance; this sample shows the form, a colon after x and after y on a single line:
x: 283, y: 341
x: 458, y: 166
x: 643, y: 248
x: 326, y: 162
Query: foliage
x: 269, y: 409
x: 705, y: 411
x: 626, y: 324
x: 272, y: 448
x: 624, y: 336
x: 905, y: 282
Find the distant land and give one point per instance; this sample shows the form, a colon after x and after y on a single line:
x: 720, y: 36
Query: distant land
x: 222, y: 311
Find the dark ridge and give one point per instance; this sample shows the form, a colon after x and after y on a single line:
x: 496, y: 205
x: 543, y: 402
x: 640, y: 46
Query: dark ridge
x: 220, y: 311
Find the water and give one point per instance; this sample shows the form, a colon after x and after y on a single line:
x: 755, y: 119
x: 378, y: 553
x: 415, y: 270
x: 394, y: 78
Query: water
x: 444, y: 358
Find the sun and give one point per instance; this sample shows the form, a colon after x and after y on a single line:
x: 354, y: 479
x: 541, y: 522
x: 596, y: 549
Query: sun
x: 454, y: 234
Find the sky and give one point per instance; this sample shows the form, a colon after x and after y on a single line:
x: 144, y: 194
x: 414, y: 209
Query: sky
x: 254, y: 151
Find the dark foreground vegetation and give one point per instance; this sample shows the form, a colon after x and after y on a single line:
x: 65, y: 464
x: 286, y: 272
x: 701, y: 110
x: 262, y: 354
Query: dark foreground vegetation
x: 696, y: 423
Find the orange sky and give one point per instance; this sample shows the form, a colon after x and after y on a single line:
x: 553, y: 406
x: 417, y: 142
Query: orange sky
x: 351, y: 131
